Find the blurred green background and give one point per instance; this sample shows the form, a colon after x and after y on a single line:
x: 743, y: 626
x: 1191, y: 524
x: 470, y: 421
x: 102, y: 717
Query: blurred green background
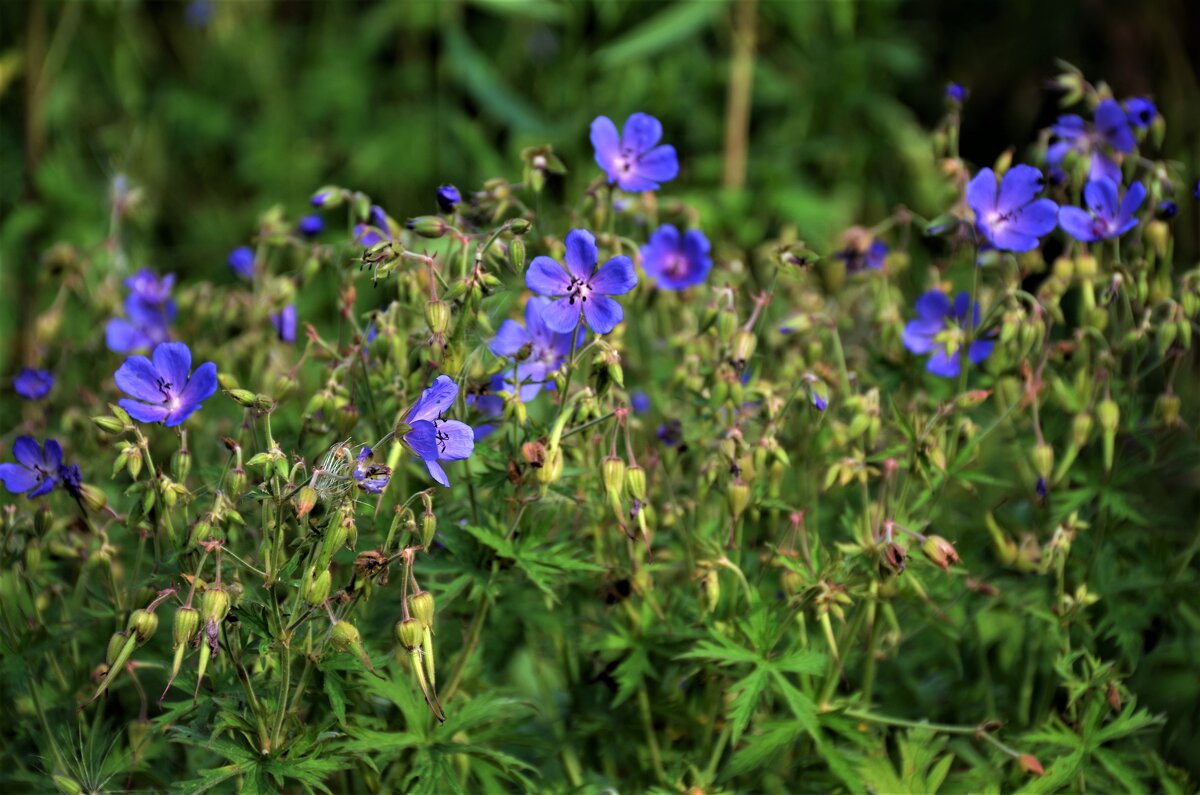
x: 218, y: 110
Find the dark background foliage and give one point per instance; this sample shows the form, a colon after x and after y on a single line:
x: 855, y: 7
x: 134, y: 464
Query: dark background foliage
x: 219, y: 110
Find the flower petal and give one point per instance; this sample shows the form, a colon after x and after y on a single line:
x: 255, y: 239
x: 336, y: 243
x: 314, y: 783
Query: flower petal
x: 660, y: 164
x: 642, y: 131
x: 547, y: 277
x: 434, y: 400
x: 423, y: 440
x: 201, y: 386
x: 17, y: 479
x: 509, y: 339
x: 615, y: 277
x: 456, y: 440
x: 1038, y: 218
x: 981, y: 192
x: 27, y: 451
x: 52, y: 455
x: 173, y: 361
x: 919, y: 334
x: 121, y: 336
x: 1134, y: 196
x: 1010, y: 238
x: 180, y: 414
x: 1100, y: 196
x: 933, y: 305
x: 562, y: 315
x: 1103, y: 167
x: 943, y: 365
x: 533, y: 318
x: 138, y: 378
x: 1020, y: 185
x: 1077, y: 223
x: 980, y: 350
x: 143, y: 412
x: 1112, y: 123
x: 607, y: 143
x: 436, y: 471
x: 602, y: 313
x: 582, y: 255
x: 47, y: 486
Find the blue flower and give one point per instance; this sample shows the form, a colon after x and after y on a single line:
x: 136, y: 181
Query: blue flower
x: 148, y: 311
x: 957, y: 93
x: 1012, y: 219
x: 1167, y: 209
x: 857, y: 258
x: 1140, y: 111
x: 33, y: 384
x: 241, y: 261
x: 37, y: 470
x: 165, y: 390
x: 436, y: 439
x: 676, y: 261
x: 371, y: 478
x: 583, y: 287
x: 72, y: 480
x: 1111, y: 128
x: 310, y: 225
x: 538, y: 349
x: 285, y: 323
x: 1104, y: 217
x: 377, y: 228
x: 639, y: 401
x: 941, y: 329
x: 670, y: 433
x: 448, y: 198
x: 632, y: 160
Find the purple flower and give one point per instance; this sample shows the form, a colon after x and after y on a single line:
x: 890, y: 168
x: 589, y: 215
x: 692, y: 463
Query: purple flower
x: 376, y: 230
x: 321, y: 198
x: 941, y: 329
x: 1104, y: 217
x: 1196, y: 193
x: 310, y: 225
x: 285, y: 323
x: 1140, y: 111
x: 447, y: 198
x: 148, y: 309
x: 640, y: 401
x: 371, y: 478
x: 1112, y: 126
x: 957, y: 93
x: 858, y: 259
x: 632, y: 160
x: 36, y: 470
x: 539, y: 349
x: 670, y: 433
x: 676, y: 261
x: 1167, y: 209
x: 241, y: 261
x: 165, y: 390
x: 1012, y: 219
x: 583, y: 287
x: 433, y: 438
x: 72, y: 480
x: 33, y: 384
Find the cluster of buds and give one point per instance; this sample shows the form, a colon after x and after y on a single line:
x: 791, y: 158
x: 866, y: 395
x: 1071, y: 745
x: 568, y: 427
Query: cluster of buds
x: 140, y: 627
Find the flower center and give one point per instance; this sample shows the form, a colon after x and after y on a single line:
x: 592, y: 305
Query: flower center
x: 626, y: 161
x: 578, y: 289
x: 164, y: 386
x: 675, y: 265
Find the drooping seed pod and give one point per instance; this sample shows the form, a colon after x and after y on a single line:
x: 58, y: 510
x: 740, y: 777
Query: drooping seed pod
x: 421, y: 606
x: 143, y: 624
x: 345, y: 637
x: 316, y: 587
x: 214, y: 606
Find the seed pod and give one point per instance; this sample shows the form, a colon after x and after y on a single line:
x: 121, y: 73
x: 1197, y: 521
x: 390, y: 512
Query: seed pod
x: 409, y: 633
x: 437, y: 316
x: 738, y: 497
x: 1109, y: 415
x: 345, y: 636
x: 428, y: 529
x: 316, y: 588
x: 305, y: 501
x: 143, y: 624
x: 1081, y: 428
x: 516, y: 255
x: 726, y: 324
x: 187, y: 624
x: 552, y: 469
x: 181, y: 464
x: 214, y: 606
x: 940, y: 551
x: 635, y: 482
x: 115, y: 644
x: 420, y: 605
x: 1166, y: 409
x: 109, y: 424
x: 66, y: 785
x: 1043, y: 460
x: 335, y: 538
x: 429, y: 226
x: 243, y: 397
x: 744, y: 343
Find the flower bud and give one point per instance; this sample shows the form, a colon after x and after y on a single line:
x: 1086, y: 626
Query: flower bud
x: 738, y: 497
x: 744, y: 343
x: 612, y: 472
x: 437, y: 316
x: 1081, y: 428
x: 66, y: 785
x: 1043, y: 459
x: 420, y: 605
x: 552, y: 469
x: 335, y: 538
x: 344, y: 635
x: 143, y: 624
x: 214, y: 606
x: 726, y: 324
x: 1109, y: 414
x: 109, y: 424
x: 428, y: 529
x: 940, y: 551
x: 1166, y: 409
x: 409, y: 633
x: 1028, y: 763
x: 516, y: 255
x: 520, y: 226
x: 237, y: 482
x: 187, y: 624
x: 243, y: 397
x: 316, y: 588
x: 305, y: 500
x: 635, y: 482
x: 115, y: 644
x: 429, y: 226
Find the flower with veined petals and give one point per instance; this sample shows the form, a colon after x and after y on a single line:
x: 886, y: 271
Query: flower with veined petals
x: 37, y: 470
x: 165, y: 389
x: 1011, y: 218
x: 436, y: 439
x: 1105, y: 216
x: 584, y: 287
x: 940, y: 329
x: 33, y: 384
x: 538, y: 349
x: 632, y: 159
x: 676, y: 261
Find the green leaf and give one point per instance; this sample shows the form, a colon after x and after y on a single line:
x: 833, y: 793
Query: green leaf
x: 661, y: 32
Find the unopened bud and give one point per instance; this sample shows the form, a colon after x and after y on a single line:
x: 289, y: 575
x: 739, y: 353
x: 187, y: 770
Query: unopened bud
x: 437, y: 316
x: 635, y: 482
x: 115, y: 644
x: 187, y: 624
x: 519, y: 226
x: 243, y: 397
x: 409, y: 633
x: 738, y: 496
x: 1081, y: 428
x: 516, y: 255
x: 1109, y: 414
x: 420, y: 605
x: 429, y: 226
x: 143, y: 624
x: 552, y: 469
x: 1028, y: 763
x: 1043, y: 459
x: 612, y: 472
x: 1166, y: 409
x: 109, y: 424
x: 316, y: 588
x: 305, y: 501
x: 428, y: 529
x: 214, y: 606
x: 744, y: 343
